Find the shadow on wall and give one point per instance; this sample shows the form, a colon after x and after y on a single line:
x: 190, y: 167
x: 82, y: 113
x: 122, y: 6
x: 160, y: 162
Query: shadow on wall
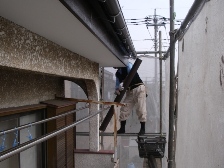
x: 72, y: 90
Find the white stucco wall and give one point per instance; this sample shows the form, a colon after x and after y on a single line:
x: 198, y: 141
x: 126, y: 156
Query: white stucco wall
x: 200, y: 125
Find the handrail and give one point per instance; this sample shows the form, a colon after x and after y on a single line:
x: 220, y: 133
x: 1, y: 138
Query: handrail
x: 125, y: 134
x: 40, y: 122
x: 10, y: 152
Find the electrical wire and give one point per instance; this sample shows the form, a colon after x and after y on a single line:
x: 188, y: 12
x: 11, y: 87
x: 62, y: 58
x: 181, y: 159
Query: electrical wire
x: 166, y: 34
x: 148, y: 20
x: 149, y: 33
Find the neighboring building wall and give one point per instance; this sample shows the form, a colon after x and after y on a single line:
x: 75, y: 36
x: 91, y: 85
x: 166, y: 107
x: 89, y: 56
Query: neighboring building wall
x: 200, y: 125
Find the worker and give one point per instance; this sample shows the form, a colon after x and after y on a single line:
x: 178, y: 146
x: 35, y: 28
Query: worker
x: 135, y: 96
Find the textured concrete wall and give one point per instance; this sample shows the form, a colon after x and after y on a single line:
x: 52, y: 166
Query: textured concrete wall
x: 37, y: 67
x: 22, y: 49
x: 200, y: 127
x: 93, y: 161
x: 18, y: 88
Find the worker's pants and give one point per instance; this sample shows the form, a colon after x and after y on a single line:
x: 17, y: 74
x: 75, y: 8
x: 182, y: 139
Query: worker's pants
x: 137, y: 98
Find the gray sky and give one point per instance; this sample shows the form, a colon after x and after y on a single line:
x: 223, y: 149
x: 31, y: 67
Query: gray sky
x: 138, y: 9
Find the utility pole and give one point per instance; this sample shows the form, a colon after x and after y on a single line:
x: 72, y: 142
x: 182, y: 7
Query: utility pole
x: 161, y: 83
x: 155, y: 21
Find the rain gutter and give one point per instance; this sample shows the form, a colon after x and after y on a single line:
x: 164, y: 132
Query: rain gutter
x: 191, y: 15
x: 116, y: 18
x: 102, y: 19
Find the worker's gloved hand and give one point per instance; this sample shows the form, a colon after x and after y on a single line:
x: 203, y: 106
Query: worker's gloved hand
x: 121, y: 87
x: 117, y: 92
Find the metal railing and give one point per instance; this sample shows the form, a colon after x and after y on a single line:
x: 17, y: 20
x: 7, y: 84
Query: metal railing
x: 10, y: 152
x: 125, y: 134
x: 42, y: 121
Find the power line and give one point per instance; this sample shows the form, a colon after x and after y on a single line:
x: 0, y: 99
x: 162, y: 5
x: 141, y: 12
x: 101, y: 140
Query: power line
x: 149, y: 39
x: 148, y: 20
x: 149, y: 32
x: 154, y: 8
x: 166, y: 33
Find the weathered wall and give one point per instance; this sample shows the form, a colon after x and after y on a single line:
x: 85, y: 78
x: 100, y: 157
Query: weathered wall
x: 24, y: 50
x: 20, y: 88
x: 200, y: 127
x: 93, y: 160
x: 33, y: 69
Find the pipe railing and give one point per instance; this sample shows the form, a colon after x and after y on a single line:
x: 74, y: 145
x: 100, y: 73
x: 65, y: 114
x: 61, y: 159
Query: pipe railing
x: 150, y: 52
x: 40, y: 122
x: 125, y: 134
x: 10, y: 152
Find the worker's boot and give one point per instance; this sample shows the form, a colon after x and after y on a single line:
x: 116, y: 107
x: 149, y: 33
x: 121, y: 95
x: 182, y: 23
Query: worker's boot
x: 122, y: 128
x: 142, y: 130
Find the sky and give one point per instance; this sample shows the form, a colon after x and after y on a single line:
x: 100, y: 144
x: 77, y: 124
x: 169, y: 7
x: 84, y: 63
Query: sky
x: 141, y: 36
x: 139, y: 9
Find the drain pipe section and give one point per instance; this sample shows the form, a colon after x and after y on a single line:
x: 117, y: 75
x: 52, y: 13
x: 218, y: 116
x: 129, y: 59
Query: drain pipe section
x: 174, y: 36
x: 172, y: 84
x: 191, y: 15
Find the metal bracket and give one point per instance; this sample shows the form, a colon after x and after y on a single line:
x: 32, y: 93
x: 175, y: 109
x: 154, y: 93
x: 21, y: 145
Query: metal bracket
x: 173, y: 33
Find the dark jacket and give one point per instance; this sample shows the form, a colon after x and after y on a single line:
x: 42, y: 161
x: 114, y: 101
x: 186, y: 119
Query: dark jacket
x: 122, y: 73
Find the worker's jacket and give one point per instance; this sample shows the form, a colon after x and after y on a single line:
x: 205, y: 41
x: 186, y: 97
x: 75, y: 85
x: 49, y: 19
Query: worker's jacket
x: 122, y: 73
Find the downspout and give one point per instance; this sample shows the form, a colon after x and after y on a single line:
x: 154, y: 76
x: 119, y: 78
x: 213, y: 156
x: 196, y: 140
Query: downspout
x: 114, y: 12
x: 172, y: 84
x: 191, y: 15
x: 174, y: 36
